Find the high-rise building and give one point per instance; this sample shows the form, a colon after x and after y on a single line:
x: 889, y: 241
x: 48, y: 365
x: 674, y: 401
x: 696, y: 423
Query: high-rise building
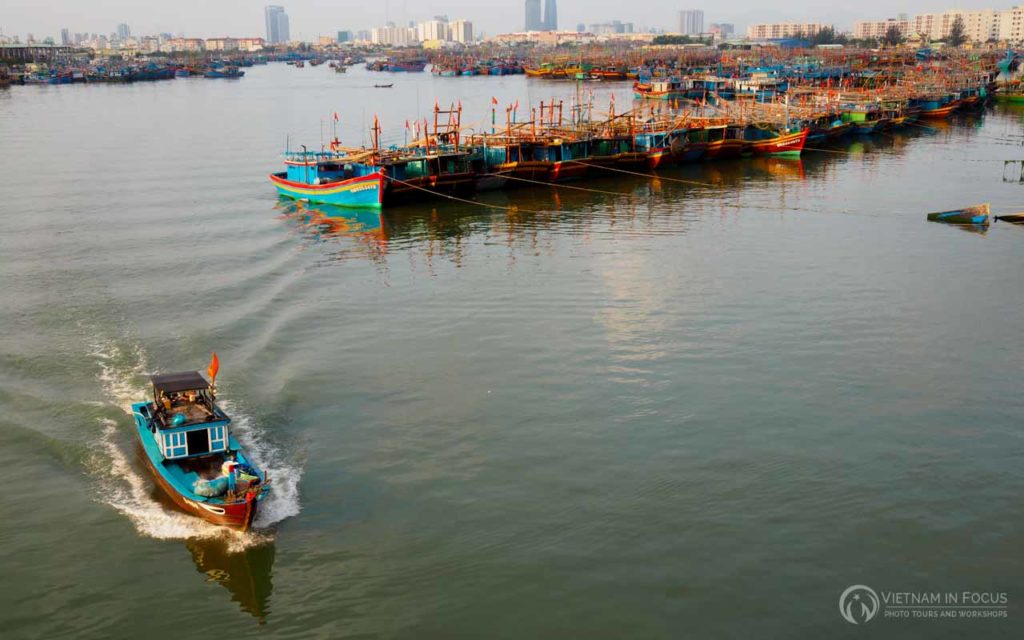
x: 345, y: 36
x: 283, y: 29
x: 691, y: 22
x: 277, y: 24
x: 533, y: 21
x: 432, y: 30
x: 123, y: 32
x: 65, y: 36
x: 550, y: 15
x: 462, y: 31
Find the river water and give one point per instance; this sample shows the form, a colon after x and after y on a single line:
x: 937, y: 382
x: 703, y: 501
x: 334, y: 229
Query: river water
x: 695, y: 406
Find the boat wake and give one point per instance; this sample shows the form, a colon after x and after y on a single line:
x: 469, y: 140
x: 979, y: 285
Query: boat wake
x: 126, y: 487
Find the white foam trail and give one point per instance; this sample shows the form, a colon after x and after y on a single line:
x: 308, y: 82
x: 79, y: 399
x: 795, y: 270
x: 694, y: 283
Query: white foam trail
x: 283, y: 500
x: 127, y: 491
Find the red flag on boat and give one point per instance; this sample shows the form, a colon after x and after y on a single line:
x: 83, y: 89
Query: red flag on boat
x: 214, y: 367
x: 406, y: 124
x: 335, y: 116
x: 494, y: 100
x: 515, y: 107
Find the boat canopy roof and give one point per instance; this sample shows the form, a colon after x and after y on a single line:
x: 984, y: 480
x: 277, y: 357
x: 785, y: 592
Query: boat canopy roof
x: 176, y: 382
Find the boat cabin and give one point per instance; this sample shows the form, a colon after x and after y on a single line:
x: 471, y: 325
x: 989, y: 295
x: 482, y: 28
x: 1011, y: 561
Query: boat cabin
x: 184, y: 419
x: 324, y: 168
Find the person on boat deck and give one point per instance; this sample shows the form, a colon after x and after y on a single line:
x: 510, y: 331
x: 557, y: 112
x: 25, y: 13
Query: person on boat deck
x: 238, y: 480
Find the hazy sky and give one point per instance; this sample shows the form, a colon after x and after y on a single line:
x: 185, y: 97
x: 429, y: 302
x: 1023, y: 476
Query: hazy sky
x: 309, y: 18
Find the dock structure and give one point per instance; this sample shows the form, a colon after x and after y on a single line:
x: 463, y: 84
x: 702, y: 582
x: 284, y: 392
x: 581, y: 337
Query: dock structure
x: 21, y: 53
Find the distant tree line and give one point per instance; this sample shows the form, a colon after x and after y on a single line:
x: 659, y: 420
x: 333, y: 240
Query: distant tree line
x: 679, y: 40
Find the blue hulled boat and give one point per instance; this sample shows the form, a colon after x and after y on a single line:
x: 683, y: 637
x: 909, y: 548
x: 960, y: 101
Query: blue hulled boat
x: 191, y: 453
x: 976, y: 215
x: 330, y: 177
x: 224, y: 72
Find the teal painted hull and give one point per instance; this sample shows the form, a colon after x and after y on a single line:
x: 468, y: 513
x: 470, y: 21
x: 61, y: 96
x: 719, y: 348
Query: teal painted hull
x: 362, y: 193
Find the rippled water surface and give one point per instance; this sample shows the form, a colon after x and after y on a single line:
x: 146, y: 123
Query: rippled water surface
x: 699, y: 405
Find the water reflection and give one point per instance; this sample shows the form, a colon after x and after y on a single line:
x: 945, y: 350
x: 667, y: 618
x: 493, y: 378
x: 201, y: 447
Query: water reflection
x: 245, y: 573
x: 978, y: 229
x: 321, y: 223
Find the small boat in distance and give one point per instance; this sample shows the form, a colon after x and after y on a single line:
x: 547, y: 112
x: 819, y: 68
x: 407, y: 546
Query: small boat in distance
x: 977, y: 214
x: 383, y: 86
x: 192, y: 454
x: 1016, y: 218
x: 224, y: 72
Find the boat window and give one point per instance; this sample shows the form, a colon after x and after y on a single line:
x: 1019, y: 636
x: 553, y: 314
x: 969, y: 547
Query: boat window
x: 174, y: 445
x: 198, y: 442
x: 217, y: 440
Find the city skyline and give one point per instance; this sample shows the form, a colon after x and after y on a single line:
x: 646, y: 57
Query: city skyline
x: 311, y: 18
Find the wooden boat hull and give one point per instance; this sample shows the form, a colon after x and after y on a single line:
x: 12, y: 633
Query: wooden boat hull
x: 626, y: 161
x: 1016, y: 218
x: 722, y: 149
x: 538, y: 170
x: 237, y: 515
x: 659, y: 157
x: 361, y: 192
x: 563, y: 171
x: 942, y: 112
x: 976, y: 215
x: 690, y: 152
x: 788, y: 145
x: 838, y: 131
x: 867, y: 128
x: 410, y: 190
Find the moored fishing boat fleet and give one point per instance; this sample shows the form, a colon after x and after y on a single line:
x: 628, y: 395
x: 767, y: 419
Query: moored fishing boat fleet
x: 555, y: 142
x: 107, y: 71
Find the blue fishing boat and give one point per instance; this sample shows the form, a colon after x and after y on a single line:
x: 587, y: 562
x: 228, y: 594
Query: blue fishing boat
x: 188, y: 447
x: 330, y: 177
x: 224, y: 72
x: 408, y: 66
x: 976, y: 215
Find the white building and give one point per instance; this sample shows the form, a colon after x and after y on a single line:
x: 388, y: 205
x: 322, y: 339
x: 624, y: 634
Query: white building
x: 433, y: 30
x: 878, y: 28
x: 980, y: 25
x: 427, y: 31
x: 778, y: 30
x: 462, y: 31
x: 395, y: 36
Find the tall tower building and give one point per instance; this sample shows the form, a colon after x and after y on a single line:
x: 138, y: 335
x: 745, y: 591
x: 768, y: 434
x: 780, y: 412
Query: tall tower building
x: 533, y: 22
x: 283, y: 29
x: 691, y: 22
x: 123, y: 32
x: 277, y: 24
x: 550, y: 15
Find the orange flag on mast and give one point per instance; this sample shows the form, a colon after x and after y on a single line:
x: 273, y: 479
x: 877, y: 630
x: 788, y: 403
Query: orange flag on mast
x: 214, y: 367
